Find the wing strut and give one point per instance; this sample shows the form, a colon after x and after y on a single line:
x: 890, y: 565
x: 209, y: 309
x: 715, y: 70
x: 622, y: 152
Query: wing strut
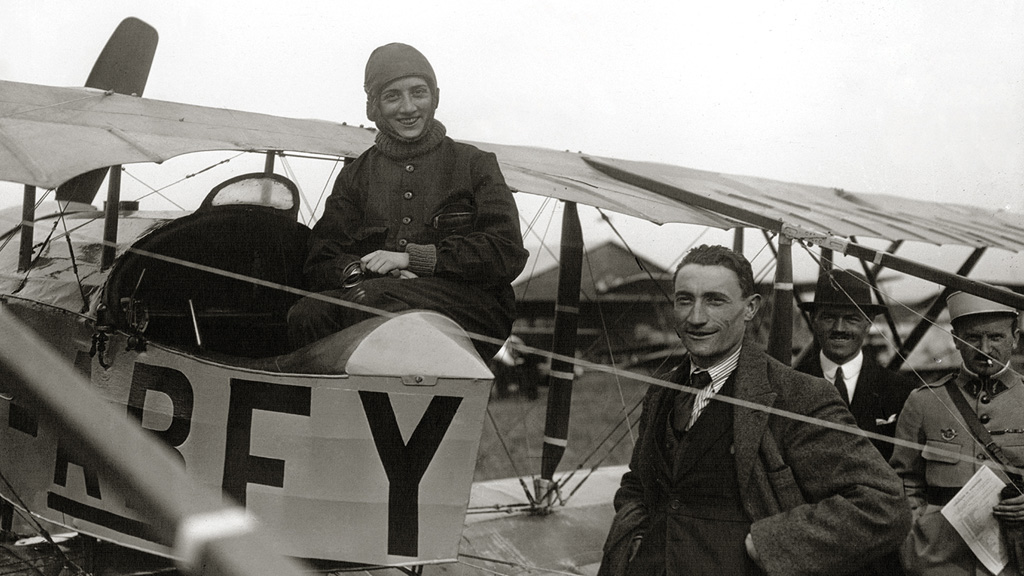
x: 567, y: 313
x: 28, y: 227
x: 871, y: 273
x: 780, y: 337
x: 110, y: 218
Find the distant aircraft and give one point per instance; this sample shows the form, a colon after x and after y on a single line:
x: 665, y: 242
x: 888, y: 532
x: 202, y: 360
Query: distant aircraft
x: 359, y: 449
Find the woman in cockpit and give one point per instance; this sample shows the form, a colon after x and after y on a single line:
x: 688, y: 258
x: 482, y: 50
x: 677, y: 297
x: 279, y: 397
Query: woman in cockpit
x: 417, y: 221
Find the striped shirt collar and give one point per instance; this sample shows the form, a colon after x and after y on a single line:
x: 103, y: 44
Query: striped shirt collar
x: 720, y: 372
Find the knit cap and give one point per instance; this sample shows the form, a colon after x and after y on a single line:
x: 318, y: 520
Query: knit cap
x: 389, y: 63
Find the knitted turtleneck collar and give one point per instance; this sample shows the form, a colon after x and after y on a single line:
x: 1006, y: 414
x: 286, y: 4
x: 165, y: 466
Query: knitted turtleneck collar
x: 400, y: 149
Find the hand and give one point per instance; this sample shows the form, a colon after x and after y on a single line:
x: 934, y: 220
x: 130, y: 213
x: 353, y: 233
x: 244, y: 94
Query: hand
x: 1010, y: 513
x: 1010, y: 509
x: 752, y: 551
x: 634, y: 546
x: 383, y: 262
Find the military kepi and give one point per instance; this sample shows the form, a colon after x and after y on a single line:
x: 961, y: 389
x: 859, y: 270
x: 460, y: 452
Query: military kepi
x: 964, y: 304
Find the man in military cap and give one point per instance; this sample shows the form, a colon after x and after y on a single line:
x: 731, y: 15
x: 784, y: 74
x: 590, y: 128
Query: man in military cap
x: 985, y: 333
x: 841, y: 316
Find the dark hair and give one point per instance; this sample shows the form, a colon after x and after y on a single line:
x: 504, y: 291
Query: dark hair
x: 707, y: 255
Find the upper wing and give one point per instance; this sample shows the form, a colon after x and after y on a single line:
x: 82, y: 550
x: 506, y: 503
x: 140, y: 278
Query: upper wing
x: 765, y: 203
x: 49, y: 134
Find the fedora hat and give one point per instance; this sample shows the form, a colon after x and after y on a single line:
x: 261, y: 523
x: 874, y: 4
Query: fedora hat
x: 843, y: 288
x: 964, y: 304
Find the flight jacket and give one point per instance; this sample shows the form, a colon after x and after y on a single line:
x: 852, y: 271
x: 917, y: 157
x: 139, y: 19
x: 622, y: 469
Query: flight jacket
x: 448, y: 208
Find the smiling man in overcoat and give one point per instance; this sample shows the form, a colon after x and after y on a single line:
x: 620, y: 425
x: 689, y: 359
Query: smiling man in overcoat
x: 759, y: 471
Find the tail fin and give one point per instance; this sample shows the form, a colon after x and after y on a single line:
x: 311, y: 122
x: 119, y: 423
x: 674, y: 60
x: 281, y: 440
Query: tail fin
x: 123, y: 67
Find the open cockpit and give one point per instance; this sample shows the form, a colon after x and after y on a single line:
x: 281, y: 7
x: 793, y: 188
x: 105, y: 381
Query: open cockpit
x: 221, y: 279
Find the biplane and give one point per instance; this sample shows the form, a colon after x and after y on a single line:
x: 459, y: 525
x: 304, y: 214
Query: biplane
x: 357, y: 451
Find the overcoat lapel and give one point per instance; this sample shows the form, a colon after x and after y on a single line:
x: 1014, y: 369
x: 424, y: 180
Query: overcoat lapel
x: 749, y: 423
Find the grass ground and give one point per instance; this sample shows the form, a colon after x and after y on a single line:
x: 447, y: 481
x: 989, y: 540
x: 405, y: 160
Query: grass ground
x: 595, y: 426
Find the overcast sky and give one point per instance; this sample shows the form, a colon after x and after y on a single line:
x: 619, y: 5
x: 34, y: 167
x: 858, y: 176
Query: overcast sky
x: 915, y: 98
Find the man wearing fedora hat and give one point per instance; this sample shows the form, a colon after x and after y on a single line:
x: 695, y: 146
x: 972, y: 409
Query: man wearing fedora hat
x: 841, y: 316
x: 938, y: 426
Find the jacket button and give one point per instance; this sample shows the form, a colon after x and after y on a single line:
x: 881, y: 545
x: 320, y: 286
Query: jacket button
x: 407, y: 195
x: 984, y: 418
x: 406, y: 220
x: 985, y: 399
x: 403, y: 242
x: 674, y: 504
x: 409, y: 167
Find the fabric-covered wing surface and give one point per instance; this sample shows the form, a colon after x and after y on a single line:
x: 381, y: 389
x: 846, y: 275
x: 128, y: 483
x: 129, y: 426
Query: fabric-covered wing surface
x: 842, y: 213
x: 49, y: 134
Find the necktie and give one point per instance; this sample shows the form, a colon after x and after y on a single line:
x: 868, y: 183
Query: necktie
x: 683, y: 411
x: 841, y: 385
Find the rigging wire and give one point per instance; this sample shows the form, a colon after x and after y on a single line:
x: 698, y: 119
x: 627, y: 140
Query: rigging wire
x: 95, y: 96
x: 10, y: 234
x: 74, y: 267
x: 40, y: 530
x: 515, y: 470
x: 542, y: 210
x: 627, y: 433
x: 951, y: 410
x: 521, y: 565
x: 323, y: 190
x: 604, y: 325
x: 18, y: 564
x: 290, y: 173
x: 523, y: 413
x: 536, y: 261
x: 159, y: 191
x: 639, y: 261
x: 619, y: 372
x: 614, y: 370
